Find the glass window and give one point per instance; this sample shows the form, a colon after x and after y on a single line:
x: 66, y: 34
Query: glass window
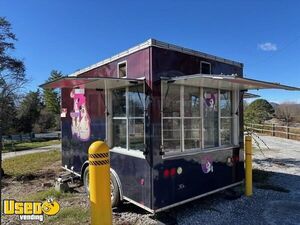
x: 226, y: 117
x: 119, y: 102
x: 205, y: 68
x: 226, y: 131
x: 136, y: 101
x: 122, y: 69
x: 192, y: 120
x: 171, y: 98
x: 181, y: 119
x: 172, y: 134
x: 171, y: 117
x: 225, y: 103
x: 136, y: 134
x: 191, y: 101
x: 192, y: 134
x: 120, y: 133
x: 211, y: 118
x: 133, y: 118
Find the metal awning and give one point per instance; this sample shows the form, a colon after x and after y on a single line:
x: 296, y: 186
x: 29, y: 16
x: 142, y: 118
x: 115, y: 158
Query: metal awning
x: 227, y: 82
x: 91, y: 83
x: 250, y: 95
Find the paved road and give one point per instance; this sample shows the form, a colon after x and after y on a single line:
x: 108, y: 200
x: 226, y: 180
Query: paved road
x: 30, y: 151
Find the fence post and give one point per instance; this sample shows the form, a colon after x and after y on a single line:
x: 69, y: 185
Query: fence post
x: 287, y: 132
x: 248, y: 166
x: 273, y: 130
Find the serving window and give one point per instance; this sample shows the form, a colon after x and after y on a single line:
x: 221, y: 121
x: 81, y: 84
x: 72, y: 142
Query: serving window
x: 195, y: 118
x: 128, y: 117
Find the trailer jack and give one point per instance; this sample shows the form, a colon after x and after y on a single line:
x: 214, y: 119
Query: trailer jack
x: 65, y: 182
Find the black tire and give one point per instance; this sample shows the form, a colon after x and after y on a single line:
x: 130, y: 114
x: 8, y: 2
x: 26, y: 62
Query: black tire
x: 115, y: 191
x: 85, y: 180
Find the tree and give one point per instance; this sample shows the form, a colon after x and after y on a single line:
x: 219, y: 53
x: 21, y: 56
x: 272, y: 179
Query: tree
x: 12, y: 75
x: 10, y: 112
x: 259, y: 111
x: 52, y: 99
x: 29, y: 111
x: 287, y: 111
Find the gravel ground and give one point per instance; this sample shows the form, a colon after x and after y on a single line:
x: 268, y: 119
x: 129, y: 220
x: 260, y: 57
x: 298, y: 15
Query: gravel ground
x: 265, y: 206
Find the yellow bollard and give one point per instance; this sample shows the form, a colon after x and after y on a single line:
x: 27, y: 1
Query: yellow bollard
x: 99, y: 184
x: 248, y: 178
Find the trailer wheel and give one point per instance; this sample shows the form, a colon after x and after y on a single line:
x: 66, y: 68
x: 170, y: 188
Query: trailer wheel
x: 114, y: 191
x: 86, y: 180
x: 114, y: 187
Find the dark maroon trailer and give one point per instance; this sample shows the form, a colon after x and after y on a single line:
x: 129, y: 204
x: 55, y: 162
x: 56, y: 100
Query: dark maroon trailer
x: 171, y: 116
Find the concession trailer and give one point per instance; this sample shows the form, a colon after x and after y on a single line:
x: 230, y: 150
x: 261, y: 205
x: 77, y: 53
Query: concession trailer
x: 172, y: 117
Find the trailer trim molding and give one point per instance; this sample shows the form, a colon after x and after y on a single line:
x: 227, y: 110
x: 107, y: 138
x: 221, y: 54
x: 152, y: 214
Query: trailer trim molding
x: 197, y: 197
x: 171, y: 155
x: 138, y: 204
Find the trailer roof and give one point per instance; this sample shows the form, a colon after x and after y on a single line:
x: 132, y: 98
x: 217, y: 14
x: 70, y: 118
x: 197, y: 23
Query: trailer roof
x: 159, y: 44
x: 228, y: 82
x: 91, y: 83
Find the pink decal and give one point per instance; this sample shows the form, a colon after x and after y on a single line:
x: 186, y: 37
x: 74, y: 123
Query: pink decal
x: 207, y: 164
x: 81, y: 127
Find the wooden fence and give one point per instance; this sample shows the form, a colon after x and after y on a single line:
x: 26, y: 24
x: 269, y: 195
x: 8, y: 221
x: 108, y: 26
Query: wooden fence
x: 275, y: 130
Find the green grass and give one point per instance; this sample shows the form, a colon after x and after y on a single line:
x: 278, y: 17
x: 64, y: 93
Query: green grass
x: 73, y: 215
x: 8, y: 147
x: 70, y: 215
x: 45, y: 194
x: 31, y: 163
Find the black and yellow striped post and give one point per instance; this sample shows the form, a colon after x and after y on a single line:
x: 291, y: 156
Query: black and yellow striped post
x: 99, y: 183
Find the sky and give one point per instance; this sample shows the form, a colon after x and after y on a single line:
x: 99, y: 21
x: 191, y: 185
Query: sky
x: 71, y: 34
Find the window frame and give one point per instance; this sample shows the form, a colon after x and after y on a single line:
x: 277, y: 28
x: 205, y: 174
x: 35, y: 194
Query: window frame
x: 231, y: 117
x: 118, y: 68
x: 205, y: 62
x: 182, y: 117
x: 127, y: 117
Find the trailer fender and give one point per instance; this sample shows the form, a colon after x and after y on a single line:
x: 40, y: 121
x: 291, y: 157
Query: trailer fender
x: 112, y: 171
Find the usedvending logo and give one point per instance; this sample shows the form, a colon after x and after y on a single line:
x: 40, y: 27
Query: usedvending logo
x: 31, y: 210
